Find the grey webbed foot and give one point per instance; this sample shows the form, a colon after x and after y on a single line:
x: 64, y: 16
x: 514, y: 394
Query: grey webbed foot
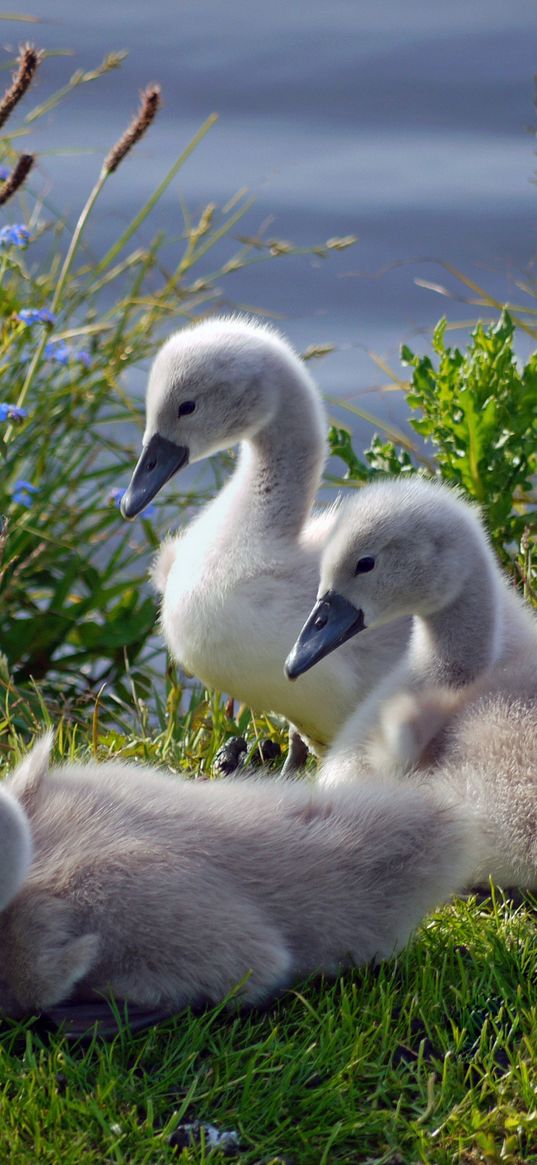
x: 230, y: 756
x: 83, y: 1021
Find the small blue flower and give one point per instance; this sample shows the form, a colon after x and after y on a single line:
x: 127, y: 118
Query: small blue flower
x: 4, y: 173
x: 84, y: 358
x: 11, y: 412
x: 34, y: 315
x: 22, y: 493
x: 14, y: 236
x: 116, y: 495
x: 57, y: 350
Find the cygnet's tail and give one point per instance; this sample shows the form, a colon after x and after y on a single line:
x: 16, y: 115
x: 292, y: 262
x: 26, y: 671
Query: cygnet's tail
x: 15, y: 847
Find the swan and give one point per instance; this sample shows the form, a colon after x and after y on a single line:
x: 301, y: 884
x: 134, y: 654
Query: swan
x: 458, y: 716
x: 164, y: 891
x: 415, y: 547
x: 237, y: 582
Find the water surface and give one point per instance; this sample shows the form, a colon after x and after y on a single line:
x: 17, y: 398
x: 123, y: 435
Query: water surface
x: 407, y: 125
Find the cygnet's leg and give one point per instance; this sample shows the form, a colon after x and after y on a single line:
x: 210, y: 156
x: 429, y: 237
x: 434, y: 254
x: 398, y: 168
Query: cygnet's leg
x: 297, y: 754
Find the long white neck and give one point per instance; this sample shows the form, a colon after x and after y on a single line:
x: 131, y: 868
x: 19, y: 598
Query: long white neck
x: 454, y: 645
x: 279, y: 469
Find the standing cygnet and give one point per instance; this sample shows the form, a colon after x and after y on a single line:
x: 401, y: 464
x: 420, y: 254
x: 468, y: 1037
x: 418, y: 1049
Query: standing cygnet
x: 167, y: 892
x: 410, y: 546
x: 237, y: 582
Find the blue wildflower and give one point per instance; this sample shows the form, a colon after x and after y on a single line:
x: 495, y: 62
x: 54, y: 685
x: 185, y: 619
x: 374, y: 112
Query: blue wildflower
x: 34, y: 315
x: 57, y: 350
x: 4, y: 173
x: 14, y: 236
x: 11, y: 412
x: 84, y: 358
x: 116, y: 495
x: 22, y: 493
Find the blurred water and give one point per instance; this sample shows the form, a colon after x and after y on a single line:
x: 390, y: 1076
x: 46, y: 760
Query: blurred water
x: 408, y: 125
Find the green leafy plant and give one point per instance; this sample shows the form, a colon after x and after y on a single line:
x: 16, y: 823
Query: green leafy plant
x: 478, y: 411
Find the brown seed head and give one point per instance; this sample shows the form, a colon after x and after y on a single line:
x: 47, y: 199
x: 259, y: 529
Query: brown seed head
x: 16, y: 178
x: 28, y: 61
x: 149, y: 104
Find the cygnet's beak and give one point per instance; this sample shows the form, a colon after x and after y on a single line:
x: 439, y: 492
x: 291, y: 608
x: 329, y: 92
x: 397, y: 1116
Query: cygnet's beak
x: 332, y: 621
x: 159, y: 461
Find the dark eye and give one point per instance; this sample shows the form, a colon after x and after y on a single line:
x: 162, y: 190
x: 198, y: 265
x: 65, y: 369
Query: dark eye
x: 187, y: 407
x: 364, y: 565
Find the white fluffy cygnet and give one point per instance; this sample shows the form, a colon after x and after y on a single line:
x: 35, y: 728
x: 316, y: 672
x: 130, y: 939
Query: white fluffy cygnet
x: 237, y: 583
x: 166, y: 892
x: 459, y: 713
x: 408, y: 546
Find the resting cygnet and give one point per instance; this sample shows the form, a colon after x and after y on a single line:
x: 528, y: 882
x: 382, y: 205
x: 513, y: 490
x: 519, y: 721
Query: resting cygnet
x: 237, y: 582
x: 410, y: 546
x: 167, y: 892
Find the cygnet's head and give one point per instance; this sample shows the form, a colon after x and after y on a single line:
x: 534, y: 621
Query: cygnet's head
x: 399, y: 547
x: 210, y: 386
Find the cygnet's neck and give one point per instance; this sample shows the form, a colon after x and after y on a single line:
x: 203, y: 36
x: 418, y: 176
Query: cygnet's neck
x: 279, y: 469
x: 454, y: 645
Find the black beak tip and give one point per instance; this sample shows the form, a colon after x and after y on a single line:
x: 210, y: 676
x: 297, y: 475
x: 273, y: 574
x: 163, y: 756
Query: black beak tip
x: 333, y: 620
x: 160, y: 460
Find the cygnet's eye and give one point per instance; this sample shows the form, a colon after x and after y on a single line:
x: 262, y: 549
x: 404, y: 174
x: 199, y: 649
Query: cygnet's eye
x: 186, y: 407
x: 365, y: 564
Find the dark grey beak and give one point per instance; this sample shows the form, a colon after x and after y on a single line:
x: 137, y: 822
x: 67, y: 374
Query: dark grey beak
x: 332, y: 621
x: 159, y: 461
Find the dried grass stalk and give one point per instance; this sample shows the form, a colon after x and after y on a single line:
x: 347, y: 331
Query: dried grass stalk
x: 149, y: 104
x: 17, y: 177
x: 29, y: 60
